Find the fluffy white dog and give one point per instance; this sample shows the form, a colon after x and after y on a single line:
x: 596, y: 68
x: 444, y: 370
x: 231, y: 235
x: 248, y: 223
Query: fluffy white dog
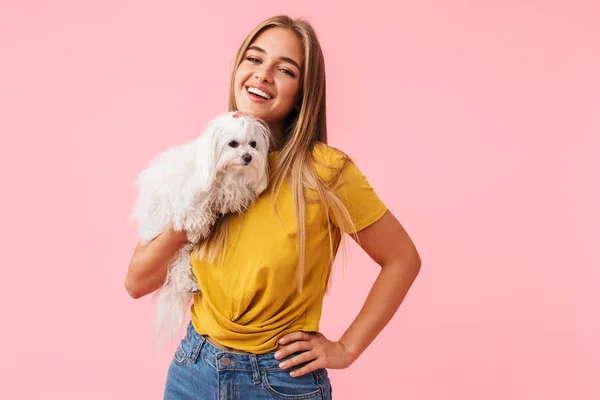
x: 189, y: 187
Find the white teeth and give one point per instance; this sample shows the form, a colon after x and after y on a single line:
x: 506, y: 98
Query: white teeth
x: 259, y: 93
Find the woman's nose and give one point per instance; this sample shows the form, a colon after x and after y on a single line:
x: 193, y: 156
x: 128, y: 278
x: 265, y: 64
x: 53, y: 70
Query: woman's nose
x: 264, y: 74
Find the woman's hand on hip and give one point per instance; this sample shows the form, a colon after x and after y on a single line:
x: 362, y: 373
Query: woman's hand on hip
x: 316, y: 350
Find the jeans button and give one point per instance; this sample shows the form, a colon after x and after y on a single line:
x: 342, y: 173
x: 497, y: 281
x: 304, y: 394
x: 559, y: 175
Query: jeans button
x: 225, y: 361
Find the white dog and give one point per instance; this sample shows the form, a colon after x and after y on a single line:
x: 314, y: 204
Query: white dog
x: 189, y: 187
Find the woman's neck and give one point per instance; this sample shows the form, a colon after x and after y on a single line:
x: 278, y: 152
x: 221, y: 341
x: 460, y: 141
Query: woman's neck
x: 276, y: 137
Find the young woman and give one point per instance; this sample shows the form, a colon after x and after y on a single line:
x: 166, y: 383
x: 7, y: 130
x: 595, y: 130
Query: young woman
x: 254, y: 330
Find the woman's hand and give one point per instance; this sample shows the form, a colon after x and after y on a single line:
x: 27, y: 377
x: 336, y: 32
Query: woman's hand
x: 316, y: 349
x: 149, y: 263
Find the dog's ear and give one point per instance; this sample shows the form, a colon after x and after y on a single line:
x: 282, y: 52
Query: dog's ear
x: 207, y: 157
x: 261, y: 131
x: 263, y: 180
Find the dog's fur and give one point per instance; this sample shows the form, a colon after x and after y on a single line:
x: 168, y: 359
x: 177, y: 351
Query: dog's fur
x: 189, y: 187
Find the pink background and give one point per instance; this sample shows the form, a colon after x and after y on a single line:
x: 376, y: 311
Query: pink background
x: 477, y: 122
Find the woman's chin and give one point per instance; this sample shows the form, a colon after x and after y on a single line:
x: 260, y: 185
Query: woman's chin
x: 256, y: 111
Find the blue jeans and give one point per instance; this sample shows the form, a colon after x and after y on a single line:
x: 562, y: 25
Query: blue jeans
x: 200, y: 370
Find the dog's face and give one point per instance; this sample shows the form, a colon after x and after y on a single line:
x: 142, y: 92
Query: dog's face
x: 239, y: 145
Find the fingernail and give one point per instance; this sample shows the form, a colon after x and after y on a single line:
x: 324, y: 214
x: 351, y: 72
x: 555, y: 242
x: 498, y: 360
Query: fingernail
x: 278, y: 354
x: 293, y: 373
x: 282, y: 340
x: 282, y: 365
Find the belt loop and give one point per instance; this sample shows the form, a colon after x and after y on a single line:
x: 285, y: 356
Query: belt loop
x: 198, y: 348
x: 255, y: 370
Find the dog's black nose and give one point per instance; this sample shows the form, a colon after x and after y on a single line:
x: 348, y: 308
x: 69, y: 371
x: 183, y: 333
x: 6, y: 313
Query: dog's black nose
x: 247, y: 158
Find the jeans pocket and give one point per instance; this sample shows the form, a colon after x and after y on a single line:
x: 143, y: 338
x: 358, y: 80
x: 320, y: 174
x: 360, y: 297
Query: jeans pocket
x: 180, y: 357
x: 281, y: 385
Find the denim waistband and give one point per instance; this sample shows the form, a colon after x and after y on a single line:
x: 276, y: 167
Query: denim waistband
x: 230, y: 360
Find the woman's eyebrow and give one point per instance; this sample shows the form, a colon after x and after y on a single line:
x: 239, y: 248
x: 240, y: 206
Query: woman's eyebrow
x: 287, y: 59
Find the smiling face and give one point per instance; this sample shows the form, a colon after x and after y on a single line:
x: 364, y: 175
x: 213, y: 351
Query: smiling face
x: 267, y: 81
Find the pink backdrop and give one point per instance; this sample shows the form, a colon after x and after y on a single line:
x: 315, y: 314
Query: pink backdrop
x: 477, y: 124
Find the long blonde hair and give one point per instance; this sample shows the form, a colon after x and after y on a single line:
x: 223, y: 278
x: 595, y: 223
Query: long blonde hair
x: 304, y: 127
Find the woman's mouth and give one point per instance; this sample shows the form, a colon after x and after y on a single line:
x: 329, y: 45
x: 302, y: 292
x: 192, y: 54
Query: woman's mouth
x: 256, y: 94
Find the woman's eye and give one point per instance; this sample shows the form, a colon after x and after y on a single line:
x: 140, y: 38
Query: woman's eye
x: 253, y: 144
x: 233, y: 143
x: 253, y: 59
x: 287, y: 72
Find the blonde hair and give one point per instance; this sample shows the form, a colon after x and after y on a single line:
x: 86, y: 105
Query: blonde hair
x: 304, y: 127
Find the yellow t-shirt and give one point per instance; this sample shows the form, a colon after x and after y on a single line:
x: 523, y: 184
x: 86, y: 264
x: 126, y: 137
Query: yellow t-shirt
x: 251, y: 299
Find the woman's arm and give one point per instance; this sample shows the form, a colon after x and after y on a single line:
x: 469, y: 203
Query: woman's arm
x: 388, y: 244
x: 149, y: 263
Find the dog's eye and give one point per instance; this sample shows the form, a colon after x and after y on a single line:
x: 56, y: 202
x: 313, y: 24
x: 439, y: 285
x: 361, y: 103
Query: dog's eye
x: 233, y: 143
x: 253, y: 144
